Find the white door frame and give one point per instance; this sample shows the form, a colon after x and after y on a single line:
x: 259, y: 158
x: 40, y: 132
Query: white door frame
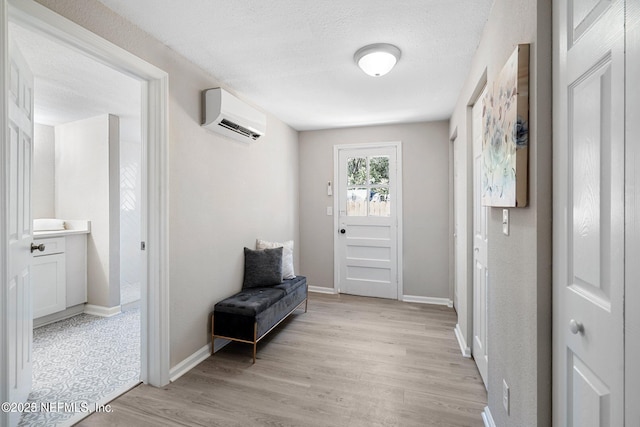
x: 154, y: 82
x: 336, y: 207
x: 479, y: 302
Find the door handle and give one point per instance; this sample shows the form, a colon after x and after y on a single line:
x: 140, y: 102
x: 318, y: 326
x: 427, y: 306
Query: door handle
x: 35, y: 247
x: 343, y: 231
x: 576, y: 327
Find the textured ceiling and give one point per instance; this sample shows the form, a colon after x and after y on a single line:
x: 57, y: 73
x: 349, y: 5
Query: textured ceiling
x: 295, y: 58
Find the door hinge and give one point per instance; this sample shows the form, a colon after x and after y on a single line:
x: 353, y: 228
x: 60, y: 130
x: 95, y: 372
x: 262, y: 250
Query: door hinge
x: 143, y: 246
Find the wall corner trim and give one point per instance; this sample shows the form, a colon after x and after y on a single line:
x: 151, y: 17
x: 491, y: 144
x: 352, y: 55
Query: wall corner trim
x: 428, y: 300
x: 464, y: 348
x: 322, y: 290
x: 98, y: 310
x: 487, y: 418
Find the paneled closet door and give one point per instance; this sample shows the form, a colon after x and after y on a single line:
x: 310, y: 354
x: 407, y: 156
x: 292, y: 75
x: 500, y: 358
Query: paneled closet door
x: 632, y: 212
x: 589, y: 213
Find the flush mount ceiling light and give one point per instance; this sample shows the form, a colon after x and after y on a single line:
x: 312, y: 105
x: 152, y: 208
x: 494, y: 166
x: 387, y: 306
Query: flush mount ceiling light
x: 377, y: 59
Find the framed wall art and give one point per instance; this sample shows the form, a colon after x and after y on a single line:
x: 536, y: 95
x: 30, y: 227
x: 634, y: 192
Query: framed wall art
x: 505, y: 142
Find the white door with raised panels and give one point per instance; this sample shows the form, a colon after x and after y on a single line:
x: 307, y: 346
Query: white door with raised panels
x: 480, y: 244
x: 20, y: 233
x: 589, y: 213
x: 366, y: 236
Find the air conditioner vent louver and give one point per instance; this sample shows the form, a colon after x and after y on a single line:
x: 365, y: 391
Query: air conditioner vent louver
x: 229, y: 116
x: 239, y: 129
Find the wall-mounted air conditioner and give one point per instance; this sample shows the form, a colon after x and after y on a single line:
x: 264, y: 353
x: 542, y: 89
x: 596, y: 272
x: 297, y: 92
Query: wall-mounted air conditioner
x: 229, y: 116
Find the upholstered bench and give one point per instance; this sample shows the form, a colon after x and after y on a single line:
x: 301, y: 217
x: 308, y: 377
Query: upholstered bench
x: 252, y: 313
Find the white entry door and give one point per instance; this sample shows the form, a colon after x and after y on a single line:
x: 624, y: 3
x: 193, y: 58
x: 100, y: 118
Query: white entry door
x: 366, y: 239
x: 588, y: 172
x: 480, y: 243
x: 20, y: 233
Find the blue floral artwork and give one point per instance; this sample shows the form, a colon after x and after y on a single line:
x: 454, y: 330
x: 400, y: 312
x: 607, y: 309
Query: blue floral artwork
x: 505, y: 139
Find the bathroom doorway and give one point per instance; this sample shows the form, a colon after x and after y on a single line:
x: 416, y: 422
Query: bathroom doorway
x: 87, y: 168
x: 154, y: 310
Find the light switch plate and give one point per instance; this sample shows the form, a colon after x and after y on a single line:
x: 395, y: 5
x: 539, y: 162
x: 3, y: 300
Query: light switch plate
x: 505, y: 396
x: 329, y: 210
x: 505, y: 222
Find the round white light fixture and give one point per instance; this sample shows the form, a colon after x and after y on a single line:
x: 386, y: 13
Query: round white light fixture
x: 377, y: 59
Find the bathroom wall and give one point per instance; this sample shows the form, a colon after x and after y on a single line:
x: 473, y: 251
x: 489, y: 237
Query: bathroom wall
x: 130, y: 210
x: 87, y: 187
x: 43, y: 178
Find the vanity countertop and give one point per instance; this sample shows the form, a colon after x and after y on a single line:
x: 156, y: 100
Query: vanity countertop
x: 73, y: 227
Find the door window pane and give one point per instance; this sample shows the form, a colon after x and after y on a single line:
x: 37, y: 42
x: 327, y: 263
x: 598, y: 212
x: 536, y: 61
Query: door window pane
x: 357, y: 201
x: 379, y: 201
x: 379, y: 170
x: 357, y: 171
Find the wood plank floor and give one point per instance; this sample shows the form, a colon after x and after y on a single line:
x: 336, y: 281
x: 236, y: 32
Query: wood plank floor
x: 348, y: 361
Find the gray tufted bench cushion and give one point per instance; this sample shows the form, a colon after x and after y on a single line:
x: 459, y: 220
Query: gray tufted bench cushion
x: 251, y: 313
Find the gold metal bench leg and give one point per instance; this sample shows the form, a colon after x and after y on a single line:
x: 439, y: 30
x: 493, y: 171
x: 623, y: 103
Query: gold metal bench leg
x: 255, y: 340
x: 213, y: 335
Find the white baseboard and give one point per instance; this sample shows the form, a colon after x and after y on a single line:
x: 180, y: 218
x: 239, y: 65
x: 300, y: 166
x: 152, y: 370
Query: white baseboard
x: 98, y: 310
x: 322, y: 290
x: 196, y: 358
x: 464, y: 348
x: 487, y: 418
x: 428, y: 300
x: 61, y: 315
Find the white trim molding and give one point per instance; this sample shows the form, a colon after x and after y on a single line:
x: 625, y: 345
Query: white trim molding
x: 190, y: 362
x: 428, y: 300
x: 488, y: 418
x: 5, y: 418
x: 196, y: 358
x: 464, y: 348
x: 98, y: 310
x: 322, y: 290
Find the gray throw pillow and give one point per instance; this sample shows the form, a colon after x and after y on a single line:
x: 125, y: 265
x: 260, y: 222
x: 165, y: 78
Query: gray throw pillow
x: 262, y: 267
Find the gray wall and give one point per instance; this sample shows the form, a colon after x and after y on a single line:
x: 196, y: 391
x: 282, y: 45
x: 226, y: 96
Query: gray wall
x: 44, y: 158
x: 519, y: 299
x: 425, y: 152
x: 222, y: 193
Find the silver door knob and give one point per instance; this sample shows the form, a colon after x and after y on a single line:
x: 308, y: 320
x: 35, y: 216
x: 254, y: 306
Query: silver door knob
x: 35, y: 247
x: 575, y: 327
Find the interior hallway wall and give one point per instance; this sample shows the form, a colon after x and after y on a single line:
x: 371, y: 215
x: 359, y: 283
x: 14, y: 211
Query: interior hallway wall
x: 223, y: 194
x: 43, y: 184
x: 425, y: 160
x: 519, y: 298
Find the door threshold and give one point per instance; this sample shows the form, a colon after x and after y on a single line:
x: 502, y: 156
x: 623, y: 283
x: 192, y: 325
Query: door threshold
x: 101, y: 405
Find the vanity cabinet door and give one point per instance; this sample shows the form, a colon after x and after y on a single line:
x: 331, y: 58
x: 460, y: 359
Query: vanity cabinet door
x: 49, y: 284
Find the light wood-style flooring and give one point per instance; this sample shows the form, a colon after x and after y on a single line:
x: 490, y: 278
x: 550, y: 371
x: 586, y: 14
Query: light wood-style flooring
x: 348, y: 361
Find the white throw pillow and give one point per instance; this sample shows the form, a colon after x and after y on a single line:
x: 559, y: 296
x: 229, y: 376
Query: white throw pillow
x: 287, y: 255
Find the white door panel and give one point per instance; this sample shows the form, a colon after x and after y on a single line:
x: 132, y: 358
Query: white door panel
x: 589, y: 213
x: 367, y: 237
x: 480, y: 247
x: 20, y: 322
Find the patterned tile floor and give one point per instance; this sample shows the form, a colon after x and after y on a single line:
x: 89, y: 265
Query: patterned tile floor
x: 80, y: 361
